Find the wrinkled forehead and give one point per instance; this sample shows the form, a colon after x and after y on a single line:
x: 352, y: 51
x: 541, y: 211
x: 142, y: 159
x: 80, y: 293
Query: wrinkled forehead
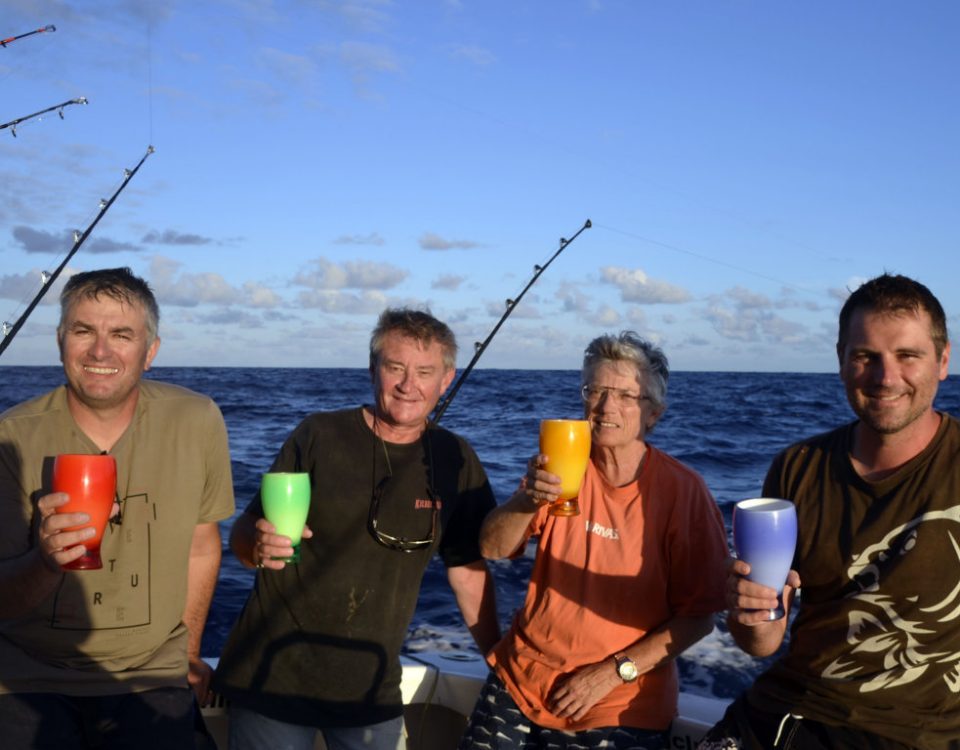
x: 610, y: 369
x: 410, y: 350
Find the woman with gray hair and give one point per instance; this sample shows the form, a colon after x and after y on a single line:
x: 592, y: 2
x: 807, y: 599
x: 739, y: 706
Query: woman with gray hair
x: 615, y: 594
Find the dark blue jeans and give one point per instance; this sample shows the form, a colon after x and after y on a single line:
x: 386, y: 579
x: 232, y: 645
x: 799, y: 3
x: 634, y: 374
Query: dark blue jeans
x: 156, y: 719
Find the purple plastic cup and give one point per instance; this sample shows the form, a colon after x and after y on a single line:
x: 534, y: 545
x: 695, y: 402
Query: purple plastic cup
x: 765, y: 536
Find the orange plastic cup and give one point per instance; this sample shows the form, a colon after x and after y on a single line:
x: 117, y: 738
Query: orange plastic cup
x: 566, y: 443
x: 91, y: 483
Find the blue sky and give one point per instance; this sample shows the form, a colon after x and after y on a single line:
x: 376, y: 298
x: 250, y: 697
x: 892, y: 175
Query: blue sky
x: 743, y: 164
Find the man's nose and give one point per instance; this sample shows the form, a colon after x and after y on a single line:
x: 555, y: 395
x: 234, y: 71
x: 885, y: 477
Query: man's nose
x: 100, y: 347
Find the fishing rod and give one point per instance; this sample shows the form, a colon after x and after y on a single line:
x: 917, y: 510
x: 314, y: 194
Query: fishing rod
x: 11, y: 39
x: 56, y: 107
x: 46, y: 279
x: 511, y: 304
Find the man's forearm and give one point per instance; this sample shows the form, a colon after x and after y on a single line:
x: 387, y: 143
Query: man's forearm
x: 505, y: 526
x: 473, y: 588
x: 243, y: 538
x: 204, y: 565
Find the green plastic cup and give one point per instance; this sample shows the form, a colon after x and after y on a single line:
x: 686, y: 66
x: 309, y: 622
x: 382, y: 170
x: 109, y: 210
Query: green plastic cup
x: 286, y: 501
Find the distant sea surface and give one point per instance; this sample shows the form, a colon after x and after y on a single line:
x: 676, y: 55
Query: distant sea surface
x: 726, y: 425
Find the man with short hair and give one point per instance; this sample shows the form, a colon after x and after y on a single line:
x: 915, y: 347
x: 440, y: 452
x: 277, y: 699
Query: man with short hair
x: 106, y: 658
x: 317, y: 645
x: 874, y: 653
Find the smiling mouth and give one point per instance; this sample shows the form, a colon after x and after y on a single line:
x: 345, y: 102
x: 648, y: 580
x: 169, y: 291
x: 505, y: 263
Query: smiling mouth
x: 884, y: 397
x: 101, y: 370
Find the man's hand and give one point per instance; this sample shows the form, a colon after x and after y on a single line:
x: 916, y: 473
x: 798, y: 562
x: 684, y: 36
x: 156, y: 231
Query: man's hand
x: 58, y: 546
x: 199, y: 675
x: 750, y: 602
x: 540, y: 486
x: 578, y: 692
x: 268, y: 545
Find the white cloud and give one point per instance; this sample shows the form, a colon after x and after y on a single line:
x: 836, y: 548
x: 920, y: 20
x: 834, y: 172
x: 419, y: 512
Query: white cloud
x: 189, y: 289
x: 573, y: 299
x: 258, y: 295
x: 450, y: 282
x: 605, y: 317
x: 350, y: 275
x: 172, y: 237
x: 636, y: 286
x: 335, y: 301
x: 373, y: 238
x: 745, y: 299
x: 431, y: 241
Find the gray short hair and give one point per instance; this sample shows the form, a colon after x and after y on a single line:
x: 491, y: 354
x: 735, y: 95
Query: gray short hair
x: 117, y: 283
x: 415, y: 324
x: 653, y: 370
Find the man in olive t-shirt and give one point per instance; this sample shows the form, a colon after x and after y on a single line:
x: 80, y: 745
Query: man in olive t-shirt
x: 106, y: 658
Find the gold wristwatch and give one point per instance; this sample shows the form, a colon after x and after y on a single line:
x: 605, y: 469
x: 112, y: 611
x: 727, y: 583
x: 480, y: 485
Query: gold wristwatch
x: 626, y: 667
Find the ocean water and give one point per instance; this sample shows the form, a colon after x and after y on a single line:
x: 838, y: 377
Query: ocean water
x: 726, y: 425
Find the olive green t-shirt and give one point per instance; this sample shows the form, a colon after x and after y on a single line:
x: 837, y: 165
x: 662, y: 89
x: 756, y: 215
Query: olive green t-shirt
x: 121, y: 624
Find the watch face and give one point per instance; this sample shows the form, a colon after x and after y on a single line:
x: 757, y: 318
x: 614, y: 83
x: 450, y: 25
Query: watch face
x: 627, y: 671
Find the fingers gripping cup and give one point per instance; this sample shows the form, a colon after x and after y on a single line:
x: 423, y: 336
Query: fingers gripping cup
x: 765, y: 536
x: 91, y: 483
x: 566, y: 443
x: 286, y: 502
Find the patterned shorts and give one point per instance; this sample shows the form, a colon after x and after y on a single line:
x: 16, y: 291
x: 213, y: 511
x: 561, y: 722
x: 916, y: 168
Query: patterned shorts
x: 497, y: 724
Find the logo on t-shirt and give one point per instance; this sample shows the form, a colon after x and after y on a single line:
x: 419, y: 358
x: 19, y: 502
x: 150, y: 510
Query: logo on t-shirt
x: 602, y: 531
x: 906, y: 603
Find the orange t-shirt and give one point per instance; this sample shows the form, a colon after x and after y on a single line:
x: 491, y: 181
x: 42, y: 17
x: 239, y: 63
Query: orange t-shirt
x: 636, y: 557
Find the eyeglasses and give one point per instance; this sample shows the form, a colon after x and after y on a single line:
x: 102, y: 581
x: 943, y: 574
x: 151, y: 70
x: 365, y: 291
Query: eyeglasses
x: 402, y: 543
x: 592, y: 395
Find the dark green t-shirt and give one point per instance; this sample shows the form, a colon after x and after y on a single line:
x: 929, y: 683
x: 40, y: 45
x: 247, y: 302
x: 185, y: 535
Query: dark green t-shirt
x: 318, y: 643
x: 876, y: 642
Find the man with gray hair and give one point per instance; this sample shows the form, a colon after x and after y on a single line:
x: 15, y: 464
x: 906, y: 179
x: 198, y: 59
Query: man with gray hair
x: 317, y: 646
x: 616, y: 594
x: 106, y: 658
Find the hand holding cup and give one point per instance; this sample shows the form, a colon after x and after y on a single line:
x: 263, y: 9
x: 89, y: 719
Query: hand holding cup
x: 90, y: 484
x: 566, y: 445
x: 285, y: 497
x: 764, y: 536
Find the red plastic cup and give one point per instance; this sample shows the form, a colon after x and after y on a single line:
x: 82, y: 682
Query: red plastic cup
x: 91, y: 483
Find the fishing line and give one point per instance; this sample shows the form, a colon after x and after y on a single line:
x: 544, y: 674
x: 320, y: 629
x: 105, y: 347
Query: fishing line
x: 706, y: 258
x: 150, y: 77
x: 9, y: 331
x: 511, y: 304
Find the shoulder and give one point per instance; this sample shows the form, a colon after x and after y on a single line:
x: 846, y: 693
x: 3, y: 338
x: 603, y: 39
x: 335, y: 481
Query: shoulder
x: 155, y: 390
x: 451, y: 444
x: 343, y: 425
x: 320, y: 421
x: 38, y: 406
x: 666, y: 467
x: 826, y: 444
x: 164, y: 404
